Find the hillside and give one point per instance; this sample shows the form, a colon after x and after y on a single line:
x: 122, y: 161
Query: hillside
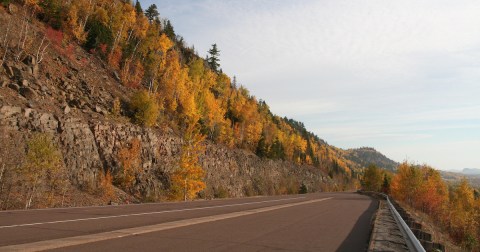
x: 471, y: 171
x: 366, y: 156
x: 118, y: 107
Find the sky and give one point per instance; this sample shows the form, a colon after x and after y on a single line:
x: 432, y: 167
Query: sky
x: 400, y: 76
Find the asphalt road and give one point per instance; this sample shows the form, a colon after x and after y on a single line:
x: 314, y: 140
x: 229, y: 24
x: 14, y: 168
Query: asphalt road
x: 312, y: 222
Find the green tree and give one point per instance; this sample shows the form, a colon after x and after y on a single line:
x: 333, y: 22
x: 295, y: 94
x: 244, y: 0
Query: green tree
x: 145, y: 108
x: 303, y: 189
x: 43, y: 167
x: 152, y: 13
x: 213, y: 58
x: 372, y: 179
x: 138, y: 8
x: 99, y: 36
x: 387, y: 180
x: 168, y: 29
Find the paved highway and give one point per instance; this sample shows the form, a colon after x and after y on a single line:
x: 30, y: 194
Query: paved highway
x: 312, y: 222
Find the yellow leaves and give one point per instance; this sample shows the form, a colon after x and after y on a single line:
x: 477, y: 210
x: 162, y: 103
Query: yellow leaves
x: 101, y: 15
x: 106, y: 186
x: 141, y: 27
x: 187, y: 179
x: 423, y: 188
x: 372, y: 178
x: 463, y: 196
x: 196, y: 70
x: 164, y: 43
x: 129, y: 159
x: 145, y: 108
x: 43, y: 167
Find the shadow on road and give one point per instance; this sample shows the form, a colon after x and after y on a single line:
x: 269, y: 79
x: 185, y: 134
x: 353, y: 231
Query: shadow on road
x: 359, y: 237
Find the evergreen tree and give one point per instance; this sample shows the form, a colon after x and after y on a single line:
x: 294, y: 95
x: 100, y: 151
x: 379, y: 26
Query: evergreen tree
x: 234, y: 82
x: 138, y: 8
x: 262, y: 148
x: 169, y: 30
x: 152, y: 13
x: 387, y: 180
x: 212, y: 59
x: 303, y: 189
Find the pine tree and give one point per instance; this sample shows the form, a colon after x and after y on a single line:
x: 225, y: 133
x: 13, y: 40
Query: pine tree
x: 169, y: 29
x: 213, y: 59
x: 152, y: 13
x: 138, y: 8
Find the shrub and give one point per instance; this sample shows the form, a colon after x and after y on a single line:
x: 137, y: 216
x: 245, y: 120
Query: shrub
x: 43, y: 173
x: 145, y: 108
x: 303, y: 189
x: 106, y: 186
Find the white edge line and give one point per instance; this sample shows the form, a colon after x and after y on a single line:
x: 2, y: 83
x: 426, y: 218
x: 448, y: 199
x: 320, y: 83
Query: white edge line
x: 123, y: 205
x: 79, y: 240
x: 146, y: 213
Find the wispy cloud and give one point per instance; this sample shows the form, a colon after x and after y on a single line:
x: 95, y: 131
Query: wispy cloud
x: 367, y: 72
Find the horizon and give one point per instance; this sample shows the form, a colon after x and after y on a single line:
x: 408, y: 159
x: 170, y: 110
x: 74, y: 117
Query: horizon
x: 408, y: 89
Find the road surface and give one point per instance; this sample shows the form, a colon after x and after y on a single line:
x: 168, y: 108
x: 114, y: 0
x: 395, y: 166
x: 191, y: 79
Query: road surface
x: 311, y: 222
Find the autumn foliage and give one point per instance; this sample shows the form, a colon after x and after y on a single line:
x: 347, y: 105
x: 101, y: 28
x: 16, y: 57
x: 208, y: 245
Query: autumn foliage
x: 43, y: 175
x: 187, y: 179
x: 454, y: 207
x: 129, y: 159
x: 176, y: 86
x: 173, y: 86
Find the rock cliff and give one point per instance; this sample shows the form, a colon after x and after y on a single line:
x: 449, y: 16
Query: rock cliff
x: 70, y: 94
x: 91, y: 147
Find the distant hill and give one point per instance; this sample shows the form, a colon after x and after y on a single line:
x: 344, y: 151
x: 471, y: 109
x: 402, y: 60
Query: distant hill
x: 471, y: 171
x: 456, y: 177
x: 366, y: 156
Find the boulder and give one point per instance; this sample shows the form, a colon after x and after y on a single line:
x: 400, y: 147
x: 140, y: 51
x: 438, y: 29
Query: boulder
x: 9, y: 70
x: 44, y: 88
x: 66, y: 109
x: 30, y: 60
x: 24, y: 83
x: 14, y: 86
x: 28, y: 93
x: 3, y: 82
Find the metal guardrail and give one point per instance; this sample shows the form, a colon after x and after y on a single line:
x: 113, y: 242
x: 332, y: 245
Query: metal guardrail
x: 412, y: 242
x: 411, y: 238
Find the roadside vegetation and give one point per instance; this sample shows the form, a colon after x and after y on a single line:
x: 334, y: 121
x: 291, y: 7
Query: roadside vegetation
x: 170, y: 85
x: 453, y: 207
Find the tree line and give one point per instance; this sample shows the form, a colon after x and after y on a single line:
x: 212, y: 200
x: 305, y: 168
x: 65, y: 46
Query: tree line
x: 454, y: 207
x: 174, y: 87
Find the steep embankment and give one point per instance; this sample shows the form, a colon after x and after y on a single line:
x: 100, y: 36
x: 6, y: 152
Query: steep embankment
x: 70, y: 97
x: 89, y: 147
x: 50, y: 84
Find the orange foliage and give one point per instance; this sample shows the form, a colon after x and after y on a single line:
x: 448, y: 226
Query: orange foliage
x: 129, y: 159
x: 422, y: 187
x: 106, y: 185
x: 187, y: 180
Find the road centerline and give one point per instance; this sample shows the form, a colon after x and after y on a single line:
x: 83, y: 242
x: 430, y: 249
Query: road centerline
x: 145, y: 213
x: 115, y: 234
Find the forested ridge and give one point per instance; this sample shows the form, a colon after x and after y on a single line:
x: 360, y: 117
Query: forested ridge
x: 174, y: 87
x: 167, y: 86
x: 164, y: 86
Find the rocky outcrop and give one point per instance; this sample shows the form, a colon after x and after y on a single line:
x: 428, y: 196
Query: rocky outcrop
x: 90, y: 147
